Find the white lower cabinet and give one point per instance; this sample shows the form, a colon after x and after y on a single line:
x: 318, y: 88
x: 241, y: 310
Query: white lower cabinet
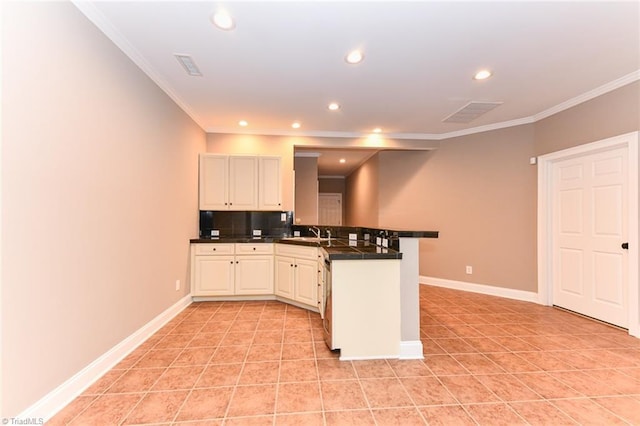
x: 230, y: 270
x: 218, y: 270
x: 213, y: 276
x: 296, y: 274
x: 284, y: 276
x: 305, y: 287
x: 254, y: 275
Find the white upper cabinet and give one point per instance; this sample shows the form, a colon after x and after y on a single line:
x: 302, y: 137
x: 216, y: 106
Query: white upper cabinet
x: 214, y: 182
x: 230, y: 182
x: 243, y: 183
x: 270, y: 194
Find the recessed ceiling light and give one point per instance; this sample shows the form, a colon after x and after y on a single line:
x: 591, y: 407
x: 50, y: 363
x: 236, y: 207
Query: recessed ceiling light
x: 295, y: 125
x: 334, y: 106
x: 342, y: 160
x: 482, y: 75
x: 377, y: 130
x: 223, y: 20
x: 243, y: 123
x: 354, y: 57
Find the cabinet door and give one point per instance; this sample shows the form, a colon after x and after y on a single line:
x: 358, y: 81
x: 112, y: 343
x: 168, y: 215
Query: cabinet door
x: 284, y: 276
x: 254, y: 275
x: 306, y: 282
x: 214, y: 275
x: 214, y: 182
x: 243, y: 183
x: 270, y: 182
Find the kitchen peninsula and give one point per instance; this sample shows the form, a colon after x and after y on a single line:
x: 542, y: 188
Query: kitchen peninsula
x: 370, y: 282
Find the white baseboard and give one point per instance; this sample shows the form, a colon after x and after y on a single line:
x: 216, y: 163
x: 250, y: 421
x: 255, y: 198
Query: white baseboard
x: 508, y: 293
x: 411, y: 349
x: 58, y: 398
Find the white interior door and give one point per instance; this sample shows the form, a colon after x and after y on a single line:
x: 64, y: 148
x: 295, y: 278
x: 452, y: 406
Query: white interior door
x: 589, y: 225
x: 330, y: 209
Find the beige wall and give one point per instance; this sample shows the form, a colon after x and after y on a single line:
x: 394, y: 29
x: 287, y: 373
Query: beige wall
x: 611, y: 114
x: 306, y: 208
x: 99, y: 198
x: 331, y: 185
x: 362, y: 189
x: 479, y: 192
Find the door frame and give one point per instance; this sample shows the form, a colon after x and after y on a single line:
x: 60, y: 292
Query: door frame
x: 545, y: 220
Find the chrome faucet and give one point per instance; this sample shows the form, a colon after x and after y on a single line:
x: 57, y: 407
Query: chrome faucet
x: 315, y: 230
x: 329, y: 234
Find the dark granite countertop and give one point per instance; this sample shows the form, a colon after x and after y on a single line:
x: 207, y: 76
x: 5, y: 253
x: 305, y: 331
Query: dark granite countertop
x: 343, y: 231
x: 337, y: 249
x: 344, y: 249
x: 232, y: 240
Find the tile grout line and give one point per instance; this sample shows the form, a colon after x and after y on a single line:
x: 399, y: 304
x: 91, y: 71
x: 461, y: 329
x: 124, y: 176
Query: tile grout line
x: 275, y: 399
x: 199, y: 376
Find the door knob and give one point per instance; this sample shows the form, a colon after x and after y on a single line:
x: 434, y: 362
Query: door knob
x: 625, y: 246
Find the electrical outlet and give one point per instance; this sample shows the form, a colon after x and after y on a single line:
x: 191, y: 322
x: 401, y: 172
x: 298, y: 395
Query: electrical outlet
x: 177, y: 285
x: 469, y: 270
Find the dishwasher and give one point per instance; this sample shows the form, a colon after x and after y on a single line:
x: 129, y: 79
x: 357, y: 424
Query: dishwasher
x: 327, y: 322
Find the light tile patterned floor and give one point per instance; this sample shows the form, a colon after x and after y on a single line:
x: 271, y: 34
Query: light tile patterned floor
x: 487, y: 361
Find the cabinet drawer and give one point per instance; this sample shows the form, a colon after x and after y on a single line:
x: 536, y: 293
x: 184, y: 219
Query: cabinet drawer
x: 299, y: 252
x: 258, y: 248
x: 214, y: 248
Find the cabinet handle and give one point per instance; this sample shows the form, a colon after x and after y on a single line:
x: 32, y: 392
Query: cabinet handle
x: 292, y: 265
x: 214, y: 249
x: 225, y: 204
x: 254, y: 249
x: 232, y: 262
x: 295, y: 266
x: 237, y: 262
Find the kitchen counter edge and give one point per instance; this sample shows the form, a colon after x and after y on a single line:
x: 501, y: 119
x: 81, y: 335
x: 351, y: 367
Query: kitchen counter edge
x: 356, y: 253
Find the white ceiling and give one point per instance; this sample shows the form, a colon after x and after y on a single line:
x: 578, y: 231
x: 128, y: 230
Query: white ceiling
x: 284, y: 61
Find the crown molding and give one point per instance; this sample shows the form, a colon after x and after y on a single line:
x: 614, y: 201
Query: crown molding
x: 99, y: 20
x: 587, y: 96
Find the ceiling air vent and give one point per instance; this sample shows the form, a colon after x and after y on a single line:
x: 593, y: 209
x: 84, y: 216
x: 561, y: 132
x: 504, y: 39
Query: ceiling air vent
x: 187, y: 62
x: 471, y: 111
